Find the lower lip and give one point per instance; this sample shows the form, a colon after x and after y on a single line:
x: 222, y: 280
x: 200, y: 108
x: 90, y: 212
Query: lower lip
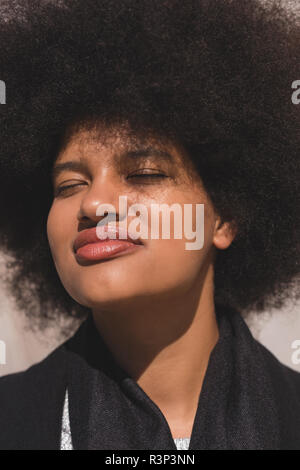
x: 104, y: 250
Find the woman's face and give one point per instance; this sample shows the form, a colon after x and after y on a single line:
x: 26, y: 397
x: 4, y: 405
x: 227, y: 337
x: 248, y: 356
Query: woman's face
x: 94, y: 169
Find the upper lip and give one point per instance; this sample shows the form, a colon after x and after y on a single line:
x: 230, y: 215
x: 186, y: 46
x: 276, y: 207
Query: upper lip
x: 90, y: 236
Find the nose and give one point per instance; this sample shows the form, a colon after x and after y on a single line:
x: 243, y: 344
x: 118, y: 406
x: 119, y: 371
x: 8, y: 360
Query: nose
x: 102, y: 191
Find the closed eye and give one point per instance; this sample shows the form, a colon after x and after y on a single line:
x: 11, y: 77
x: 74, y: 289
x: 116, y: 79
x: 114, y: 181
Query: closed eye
x: 146, y: 176
x: 67, y: 189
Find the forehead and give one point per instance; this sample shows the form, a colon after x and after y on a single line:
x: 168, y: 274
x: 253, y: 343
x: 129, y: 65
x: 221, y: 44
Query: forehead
x: 120, y: 146
x: 117, y: 142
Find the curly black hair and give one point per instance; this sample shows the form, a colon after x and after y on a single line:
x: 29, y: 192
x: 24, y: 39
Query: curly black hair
x: 215, y: 75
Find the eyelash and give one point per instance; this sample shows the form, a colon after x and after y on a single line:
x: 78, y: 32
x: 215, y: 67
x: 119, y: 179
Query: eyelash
x: 147, y: 175
x: 62, y: 189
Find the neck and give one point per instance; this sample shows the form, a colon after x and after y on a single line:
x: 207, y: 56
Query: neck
x: 164, y: 345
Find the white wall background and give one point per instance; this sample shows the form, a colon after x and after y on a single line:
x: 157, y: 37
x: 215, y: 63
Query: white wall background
x: 277, y: 331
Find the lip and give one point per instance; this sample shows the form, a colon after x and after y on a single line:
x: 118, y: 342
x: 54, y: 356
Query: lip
x: 103, y: 242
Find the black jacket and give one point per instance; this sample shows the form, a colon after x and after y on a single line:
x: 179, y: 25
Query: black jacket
x: 248, y: 399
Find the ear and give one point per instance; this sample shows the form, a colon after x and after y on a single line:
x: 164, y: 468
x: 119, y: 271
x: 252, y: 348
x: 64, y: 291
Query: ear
x: 224, y: 234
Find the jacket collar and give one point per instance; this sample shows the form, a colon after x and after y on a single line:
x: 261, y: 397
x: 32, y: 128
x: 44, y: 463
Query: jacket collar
x: 109, y: 410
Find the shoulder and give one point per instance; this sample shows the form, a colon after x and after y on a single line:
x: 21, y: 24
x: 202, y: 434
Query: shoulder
x: 286, y: 391
x: 51, y: 369
x: 285, y: 380
x: 30, y: 398
x: 31, y: 401
x: 277, y: 385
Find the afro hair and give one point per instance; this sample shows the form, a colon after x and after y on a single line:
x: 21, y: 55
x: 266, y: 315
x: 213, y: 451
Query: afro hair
x: 215, y: 75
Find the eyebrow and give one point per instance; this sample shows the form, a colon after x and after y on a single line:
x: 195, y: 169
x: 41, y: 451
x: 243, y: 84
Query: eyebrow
x: 147, y: 152
x: 73, y: 165
x: 135, y: 154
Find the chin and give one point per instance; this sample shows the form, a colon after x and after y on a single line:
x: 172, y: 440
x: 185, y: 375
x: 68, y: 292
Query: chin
x: 103, y: 293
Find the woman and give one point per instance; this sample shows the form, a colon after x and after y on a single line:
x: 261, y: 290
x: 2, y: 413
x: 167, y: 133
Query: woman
x: 159, y: 103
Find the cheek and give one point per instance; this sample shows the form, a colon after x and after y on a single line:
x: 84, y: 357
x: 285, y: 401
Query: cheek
x: 60, y: 229
x: 172, y: 263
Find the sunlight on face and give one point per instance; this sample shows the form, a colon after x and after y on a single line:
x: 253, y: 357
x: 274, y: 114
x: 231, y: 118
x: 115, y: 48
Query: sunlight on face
x: 90, y: 171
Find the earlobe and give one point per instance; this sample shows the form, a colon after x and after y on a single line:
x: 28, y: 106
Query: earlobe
x: 225, y: 233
